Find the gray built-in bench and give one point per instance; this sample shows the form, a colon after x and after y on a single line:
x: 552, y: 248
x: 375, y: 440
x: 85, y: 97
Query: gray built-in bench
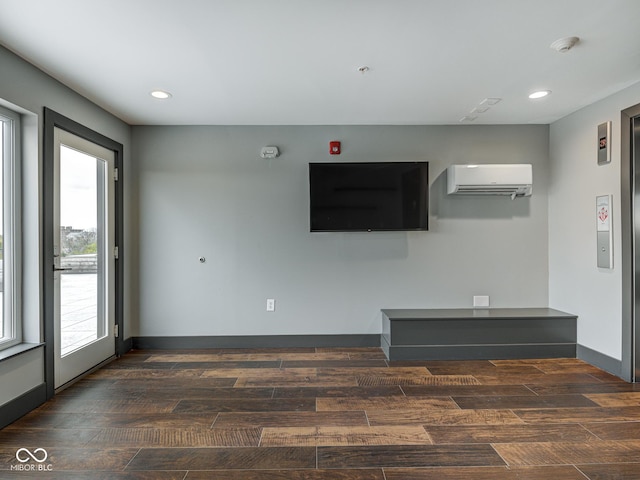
x: 473, y: 334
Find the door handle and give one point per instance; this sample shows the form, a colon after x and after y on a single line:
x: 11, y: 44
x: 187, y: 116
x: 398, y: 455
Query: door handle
x: 58, y: 269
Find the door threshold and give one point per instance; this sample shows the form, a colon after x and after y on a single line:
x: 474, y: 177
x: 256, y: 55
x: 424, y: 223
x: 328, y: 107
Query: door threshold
x: 85, y: 374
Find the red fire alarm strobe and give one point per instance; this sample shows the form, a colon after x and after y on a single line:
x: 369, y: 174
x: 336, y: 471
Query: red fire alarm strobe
x: 334, y: 148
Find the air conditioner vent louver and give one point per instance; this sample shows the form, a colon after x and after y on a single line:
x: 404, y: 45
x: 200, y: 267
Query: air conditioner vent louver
x: 514, y: 180
x: 489, y: 190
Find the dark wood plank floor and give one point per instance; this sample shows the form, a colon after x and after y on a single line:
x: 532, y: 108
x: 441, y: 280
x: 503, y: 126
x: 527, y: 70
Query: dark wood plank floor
x: 331, y: 414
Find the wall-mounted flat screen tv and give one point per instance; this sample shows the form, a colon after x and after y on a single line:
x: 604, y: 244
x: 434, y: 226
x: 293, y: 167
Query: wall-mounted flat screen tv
x: 369, y: 196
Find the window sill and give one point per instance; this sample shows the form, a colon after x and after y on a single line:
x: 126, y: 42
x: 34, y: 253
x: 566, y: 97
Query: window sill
x: 18, y: 349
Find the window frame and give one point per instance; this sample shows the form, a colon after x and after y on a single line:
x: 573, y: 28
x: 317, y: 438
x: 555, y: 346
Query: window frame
x: 11, y: 164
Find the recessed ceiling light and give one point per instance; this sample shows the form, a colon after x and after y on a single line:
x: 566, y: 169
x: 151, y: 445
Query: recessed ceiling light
x: 160, y: 94
x: 539, y: 94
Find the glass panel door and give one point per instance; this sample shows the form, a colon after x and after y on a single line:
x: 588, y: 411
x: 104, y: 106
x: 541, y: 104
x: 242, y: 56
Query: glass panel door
x: 83, y: 256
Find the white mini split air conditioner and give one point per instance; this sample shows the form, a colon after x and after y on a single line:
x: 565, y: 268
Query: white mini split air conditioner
x: 514, y: 180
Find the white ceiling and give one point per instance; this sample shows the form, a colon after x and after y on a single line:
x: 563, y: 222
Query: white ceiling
x: 295, y: 62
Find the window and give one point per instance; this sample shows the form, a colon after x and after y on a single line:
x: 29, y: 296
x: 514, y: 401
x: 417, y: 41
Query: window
x: 10, y: 320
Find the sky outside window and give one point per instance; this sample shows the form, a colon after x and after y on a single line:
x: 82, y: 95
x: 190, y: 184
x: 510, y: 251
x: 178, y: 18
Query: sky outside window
x: 78, y: 186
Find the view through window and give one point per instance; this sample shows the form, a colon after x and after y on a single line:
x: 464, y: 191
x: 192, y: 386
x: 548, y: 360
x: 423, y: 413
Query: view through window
x: 10, y: 328
x: 79, y: 223
x: 2, y: 152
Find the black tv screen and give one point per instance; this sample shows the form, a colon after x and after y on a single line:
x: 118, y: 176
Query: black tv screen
x: 367, y: 197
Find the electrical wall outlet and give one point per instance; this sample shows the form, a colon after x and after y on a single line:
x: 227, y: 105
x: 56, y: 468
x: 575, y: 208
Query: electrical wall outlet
x: 271, y: 304
x: 481, y: 301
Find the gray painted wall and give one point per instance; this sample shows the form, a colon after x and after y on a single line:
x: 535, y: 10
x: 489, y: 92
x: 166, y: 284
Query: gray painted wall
x: 576, y: 283
x: 204, y: 191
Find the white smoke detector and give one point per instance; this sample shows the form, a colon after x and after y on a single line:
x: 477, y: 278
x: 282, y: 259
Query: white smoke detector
x: 563, y: 45
x: 269, y: 152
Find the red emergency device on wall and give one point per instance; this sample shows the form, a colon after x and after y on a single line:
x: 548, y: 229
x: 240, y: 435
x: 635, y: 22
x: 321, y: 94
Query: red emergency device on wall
x: 334, y: 148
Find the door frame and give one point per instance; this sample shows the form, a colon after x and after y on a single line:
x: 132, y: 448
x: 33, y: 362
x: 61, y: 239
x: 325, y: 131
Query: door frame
x: 52, y: 120
x: 629, y: 188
